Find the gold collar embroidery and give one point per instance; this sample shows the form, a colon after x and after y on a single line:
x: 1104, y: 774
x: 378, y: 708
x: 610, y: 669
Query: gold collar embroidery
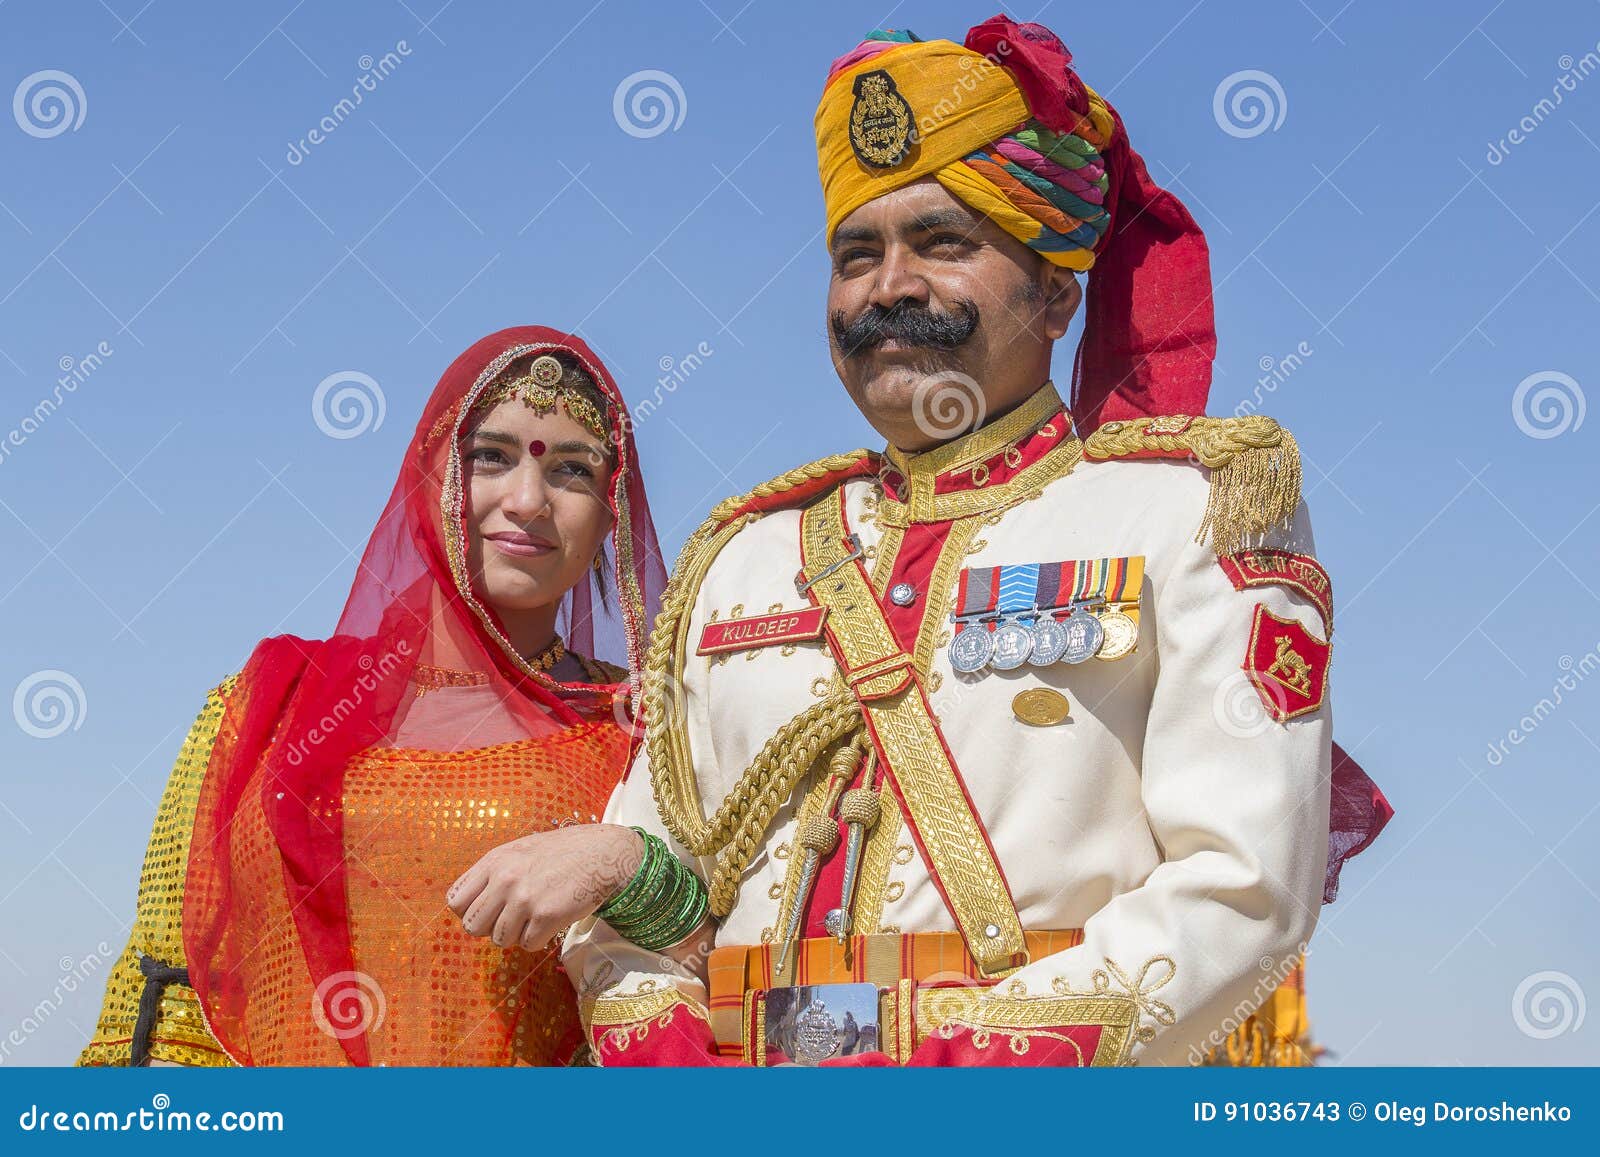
x: 952, y: 480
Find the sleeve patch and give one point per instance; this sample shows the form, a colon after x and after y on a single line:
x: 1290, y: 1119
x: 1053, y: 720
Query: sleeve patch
x: 1298, y: 572
x: 1287, y: 664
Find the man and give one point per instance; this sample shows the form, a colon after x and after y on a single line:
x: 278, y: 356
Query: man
x: 1013, y: 740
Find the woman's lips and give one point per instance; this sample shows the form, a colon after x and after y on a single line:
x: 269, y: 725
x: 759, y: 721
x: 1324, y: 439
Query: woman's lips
x: 520, y: 545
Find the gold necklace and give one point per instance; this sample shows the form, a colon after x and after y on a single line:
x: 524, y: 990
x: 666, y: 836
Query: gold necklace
x: 549, y: 657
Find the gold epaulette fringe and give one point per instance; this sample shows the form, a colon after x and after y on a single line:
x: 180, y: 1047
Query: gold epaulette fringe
x: 1254, y: 464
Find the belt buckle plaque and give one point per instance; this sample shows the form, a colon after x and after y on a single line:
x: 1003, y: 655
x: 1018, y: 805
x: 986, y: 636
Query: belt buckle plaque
x: 812, y: 1023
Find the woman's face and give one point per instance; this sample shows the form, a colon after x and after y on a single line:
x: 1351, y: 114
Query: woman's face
x: 536, y: 504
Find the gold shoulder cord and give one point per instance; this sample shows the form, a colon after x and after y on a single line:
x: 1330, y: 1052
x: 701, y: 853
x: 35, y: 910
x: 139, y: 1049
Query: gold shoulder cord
x: 1255, y: 465
x: 743, y: 817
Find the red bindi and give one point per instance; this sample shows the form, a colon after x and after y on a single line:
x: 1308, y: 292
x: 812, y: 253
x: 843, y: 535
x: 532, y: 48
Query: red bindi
x: 536, y: 447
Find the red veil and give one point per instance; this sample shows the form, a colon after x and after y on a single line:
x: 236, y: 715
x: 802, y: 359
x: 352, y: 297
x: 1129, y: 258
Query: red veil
x: 302, y: 708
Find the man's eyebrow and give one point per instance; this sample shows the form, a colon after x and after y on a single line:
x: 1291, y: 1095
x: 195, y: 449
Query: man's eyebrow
x: 854, y: 233
x: 940, y: 219
x: 929, y: 222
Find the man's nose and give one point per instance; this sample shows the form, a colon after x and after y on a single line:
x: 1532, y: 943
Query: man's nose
x: 898, y: 280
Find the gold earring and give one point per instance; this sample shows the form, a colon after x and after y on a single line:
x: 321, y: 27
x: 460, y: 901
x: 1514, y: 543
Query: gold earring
x: 600, y: 568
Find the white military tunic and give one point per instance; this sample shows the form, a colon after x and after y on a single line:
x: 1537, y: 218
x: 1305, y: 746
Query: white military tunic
x: 1173, y: 817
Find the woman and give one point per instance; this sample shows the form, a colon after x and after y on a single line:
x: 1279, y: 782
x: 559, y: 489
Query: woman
x: 336, y: 796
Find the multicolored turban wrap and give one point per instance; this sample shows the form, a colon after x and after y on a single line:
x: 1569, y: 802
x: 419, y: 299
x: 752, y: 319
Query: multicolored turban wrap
x: 1005, y: 124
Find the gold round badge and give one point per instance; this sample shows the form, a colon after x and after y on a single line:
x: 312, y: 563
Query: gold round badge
x: 1121, y: 634
x: 1040, y: 706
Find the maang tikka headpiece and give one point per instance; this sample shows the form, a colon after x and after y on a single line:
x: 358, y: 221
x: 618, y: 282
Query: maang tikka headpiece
x: 542, y: 388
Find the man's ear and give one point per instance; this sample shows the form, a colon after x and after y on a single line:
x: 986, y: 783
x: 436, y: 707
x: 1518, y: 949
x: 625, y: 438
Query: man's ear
x: 1062, y: 296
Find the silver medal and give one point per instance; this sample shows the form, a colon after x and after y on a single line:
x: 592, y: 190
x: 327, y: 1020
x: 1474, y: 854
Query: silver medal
x: 1049, y: 642
x: 1013, y: 642
x: 1084, y: 634
x: 971, y: 648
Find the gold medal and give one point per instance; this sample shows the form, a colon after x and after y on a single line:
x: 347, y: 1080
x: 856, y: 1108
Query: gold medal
x: 1121, y: 635
x: 1040, y: 706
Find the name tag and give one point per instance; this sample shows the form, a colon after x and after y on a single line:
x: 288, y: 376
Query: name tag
x: 762, y: 631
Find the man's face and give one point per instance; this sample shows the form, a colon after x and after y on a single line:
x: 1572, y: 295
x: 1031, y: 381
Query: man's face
x: 937, y: 318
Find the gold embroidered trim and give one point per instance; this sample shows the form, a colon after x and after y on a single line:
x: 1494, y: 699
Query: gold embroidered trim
x: 1254, y: 463
x: 1058, y: 462
x: 1138, y: 989
x: 1018, y: 1020
x: 985, y: 442
x: 618, y: 1010
x: 910, y: 743
x: 923, y: 504
x: 957, y: 545
x: 428, y: 678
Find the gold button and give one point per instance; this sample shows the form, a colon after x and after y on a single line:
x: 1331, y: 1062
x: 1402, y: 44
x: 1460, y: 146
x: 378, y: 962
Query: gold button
x: 1040, y: 706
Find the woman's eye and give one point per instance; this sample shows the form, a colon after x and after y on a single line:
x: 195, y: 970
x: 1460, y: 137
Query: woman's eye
x: 576, y: 469
x: 487, y: 457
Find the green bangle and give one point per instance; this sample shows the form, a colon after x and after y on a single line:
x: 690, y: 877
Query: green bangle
x: 661, y: 904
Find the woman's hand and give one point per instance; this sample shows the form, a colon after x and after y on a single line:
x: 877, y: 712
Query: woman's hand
x: 524, y: 892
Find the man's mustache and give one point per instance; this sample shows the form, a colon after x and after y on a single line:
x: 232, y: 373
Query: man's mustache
x: 911, y: 325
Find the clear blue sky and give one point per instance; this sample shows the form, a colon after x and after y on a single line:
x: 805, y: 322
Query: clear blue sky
x: 182, y: 501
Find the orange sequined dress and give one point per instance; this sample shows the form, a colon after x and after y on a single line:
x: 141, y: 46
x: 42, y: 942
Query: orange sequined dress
x: 426, y: 992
